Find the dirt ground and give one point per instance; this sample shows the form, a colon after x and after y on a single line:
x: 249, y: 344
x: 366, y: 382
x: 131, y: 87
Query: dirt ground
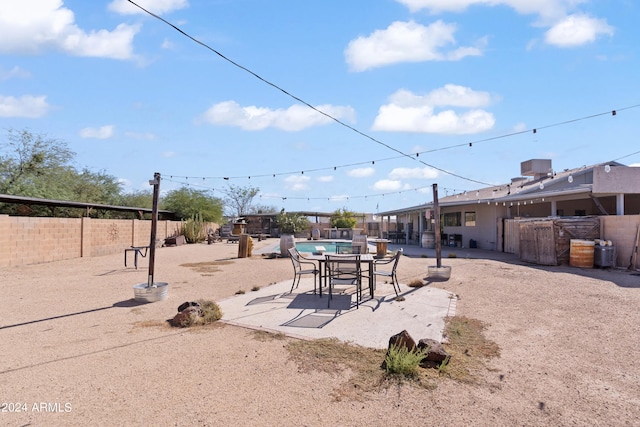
x: 76, y: 350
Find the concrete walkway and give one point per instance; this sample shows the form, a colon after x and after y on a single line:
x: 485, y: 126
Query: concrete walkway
x: 306, y: 315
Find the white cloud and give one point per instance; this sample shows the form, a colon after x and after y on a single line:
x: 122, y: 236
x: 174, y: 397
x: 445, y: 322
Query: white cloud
x: 158, y: 7
x: 520, y: 127
x: 294, y: 118
x: 635, y: 165
x: 544, y: 8
x: 15, y: 72
x: 339, y: 198
x: 406, y: 42
x: 103, y: 132
x: 168, y: 154
x: 167, y: 44
x: 26, y: 106
x: 140, y: 135
x: 408, y: 112
x: 567, y: 28
x: 576, y: 30
x: 413, y: 173
x: 297, y: 182
x: 387, y: 185
x: 325, y: 178
x: 361, y: 172
x: 33, y: 26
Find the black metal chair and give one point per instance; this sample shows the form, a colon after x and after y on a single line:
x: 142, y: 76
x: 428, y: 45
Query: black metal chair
x: 344, y: 270
x: 299, y: 269
x: 393, y: 262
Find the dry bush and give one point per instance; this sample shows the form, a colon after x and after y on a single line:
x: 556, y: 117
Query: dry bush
x: 469, y: 348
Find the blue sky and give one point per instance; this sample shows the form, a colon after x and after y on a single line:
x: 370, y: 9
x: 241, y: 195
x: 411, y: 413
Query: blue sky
x: 461, y: 82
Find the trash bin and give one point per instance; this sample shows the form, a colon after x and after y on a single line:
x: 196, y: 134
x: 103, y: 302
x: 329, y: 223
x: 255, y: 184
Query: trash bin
x: 603, y: 256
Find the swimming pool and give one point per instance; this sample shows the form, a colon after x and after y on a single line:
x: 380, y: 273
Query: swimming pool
x: 309, y: 246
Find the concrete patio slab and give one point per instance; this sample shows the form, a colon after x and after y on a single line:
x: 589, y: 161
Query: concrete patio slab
x: 303, y: 314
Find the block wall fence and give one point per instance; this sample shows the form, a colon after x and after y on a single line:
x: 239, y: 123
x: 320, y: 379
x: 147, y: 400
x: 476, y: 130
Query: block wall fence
x: 35, y: 240
x: 621, y: 230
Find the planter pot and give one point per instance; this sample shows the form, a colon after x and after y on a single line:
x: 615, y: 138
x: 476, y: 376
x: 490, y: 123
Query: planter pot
x: 439, y: 273
x: 315, y: 234
x: 144, y: 293
x: 287, y: 241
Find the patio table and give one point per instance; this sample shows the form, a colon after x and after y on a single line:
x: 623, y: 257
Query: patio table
x: 322, y: 267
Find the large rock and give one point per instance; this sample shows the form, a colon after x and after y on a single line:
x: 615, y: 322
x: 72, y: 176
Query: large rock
x: 400, y: 340
x: 436, y: 353
x: 185, y: 317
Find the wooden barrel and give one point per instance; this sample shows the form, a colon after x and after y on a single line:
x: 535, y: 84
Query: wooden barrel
x: 287, y: 241
x: 381, y: 248
x: 581, y: 253
x: 429, y: 239
x: 244, y: 246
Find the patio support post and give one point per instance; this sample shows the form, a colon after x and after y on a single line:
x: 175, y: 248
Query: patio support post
x: 154, y: 226
x: 620, y: 204
x: 436, y: 213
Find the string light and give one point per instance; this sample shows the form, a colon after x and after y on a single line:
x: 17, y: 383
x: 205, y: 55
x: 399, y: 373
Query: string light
x: 345, y: 124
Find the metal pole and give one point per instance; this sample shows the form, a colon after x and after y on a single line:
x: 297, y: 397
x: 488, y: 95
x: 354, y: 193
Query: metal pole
x: 436, y: 213
x: 154, y: 226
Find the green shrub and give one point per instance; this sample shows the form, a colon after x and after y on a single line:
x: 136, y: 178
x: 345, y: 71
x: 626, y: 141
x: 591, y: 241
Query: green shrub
x: 402, y: 361
x: 343, y: 218
x: 291, y: 223
x: 194, y: 229
x: 210, y: 311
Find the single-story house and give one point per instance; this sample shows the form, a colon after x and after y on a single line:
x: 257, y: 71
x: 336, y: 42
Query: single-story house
x: 480, y: 218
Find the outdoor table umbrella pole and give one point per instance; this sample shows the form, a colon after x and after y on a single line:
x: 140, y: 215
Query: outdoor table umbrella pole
x: 154, y: 225
x: 436, y: 213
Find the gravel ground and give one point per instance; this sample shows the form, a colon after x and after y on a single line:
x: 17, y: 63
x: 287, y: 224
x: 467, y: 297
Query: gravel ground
x: 76, y: 350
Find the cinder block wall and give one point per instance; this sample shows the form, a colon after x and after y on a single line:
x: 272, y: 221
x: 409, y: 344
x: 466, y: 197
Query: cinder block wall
x: 621, y: 230
x: 29, y: 240
x: 34, y: 240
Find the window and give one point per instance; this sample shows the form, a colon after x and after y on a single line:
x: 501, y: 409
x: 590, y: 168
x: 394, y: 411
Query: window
x: 469, y: 219
x: 452, y: 219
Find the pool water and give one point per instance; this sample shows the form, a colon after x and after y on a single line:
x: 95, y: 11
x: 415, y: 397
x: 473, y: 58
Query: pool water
x: 309, y: 246
x: 330, y: 247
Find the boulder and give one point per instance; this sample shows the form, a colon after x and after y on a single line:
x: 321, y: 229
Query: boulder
x: 185, y: 316
x: 400, y: 340
x: 436, y: 353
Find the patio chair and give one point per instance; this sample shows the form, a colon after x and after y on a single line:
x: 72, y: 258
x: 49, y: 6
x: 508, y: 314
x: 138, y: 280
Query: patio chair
x: 300, y: 268
x: 344, y: 270
x: 393, y: 262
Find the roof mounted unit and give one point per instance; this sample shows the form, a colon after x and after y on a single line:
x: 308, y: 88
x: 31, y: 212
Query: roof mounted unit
x: 536, y: 167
